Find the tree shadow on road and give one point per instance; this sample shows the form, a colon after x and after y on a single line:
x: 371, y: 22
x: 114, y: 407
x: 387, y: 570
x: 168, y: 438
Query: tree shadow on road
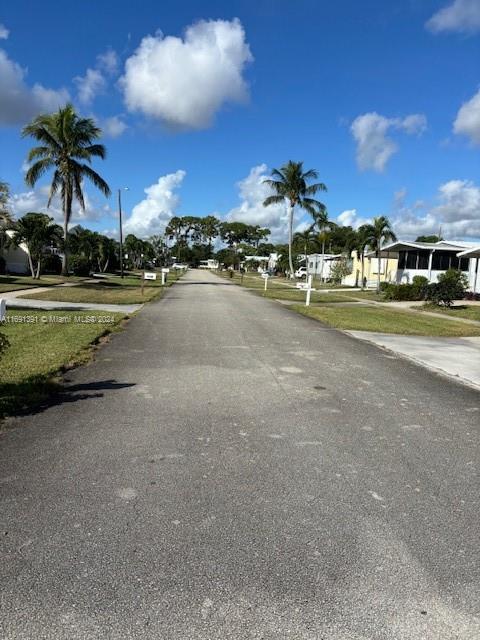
x: 37, y: 395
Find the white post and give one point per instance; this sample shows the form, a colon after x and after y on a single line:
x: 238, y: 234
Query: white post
x: 3, y: 309
x: 163, y: 278
x: 430, y: 258
x: 309, y: 291
x: 266, y: 281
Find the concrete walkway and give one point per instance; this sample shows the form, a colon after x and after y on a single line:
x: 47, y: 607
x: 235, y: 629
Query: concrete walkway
x: 14, y: 300
x: 455, y: 357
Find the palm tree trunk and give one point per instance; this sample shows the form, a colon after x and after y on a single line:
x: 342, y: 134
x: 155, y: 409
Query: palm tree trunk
x: 362, y: 260
x: 37, y: 277
x: 323, y: 260
x: 378, y: 270
x: 30, y: 263
x: 290, y: 238
x: 67, y: 209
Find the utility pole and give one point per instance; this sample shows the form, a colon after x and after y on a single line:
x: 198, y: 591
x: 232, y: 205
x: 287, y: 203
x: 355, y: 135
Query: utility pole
x: 121, y: 229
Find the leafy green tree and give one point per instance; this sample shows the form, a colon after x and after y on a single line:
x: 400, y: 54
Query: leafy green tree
x: 67, y: 146
x: 290, y: 184
x: 5, y: 215
x: 210, y: 229
x: 38, y: 233
x: 376, y: 234
x: 432, y: 239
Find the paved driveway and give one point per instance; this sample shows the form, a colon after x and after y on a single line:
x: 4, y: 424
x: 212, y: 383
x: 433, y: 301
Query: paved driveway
x: 228, y: 469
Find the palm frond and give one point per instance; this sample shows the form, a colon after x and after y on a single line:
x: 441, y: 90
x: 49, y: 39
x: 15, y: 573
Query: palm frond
x: 96, y: 179
x: 37, y: 170
x: 273, y: 200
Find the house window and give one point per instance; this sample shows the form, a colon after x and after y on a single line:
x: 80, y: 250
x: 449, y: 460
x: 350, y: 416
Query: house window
x: 423, y: 259
x: 412, y: 259
x: 464, y: 264
x: 441, y: 260
x: 402, y: 259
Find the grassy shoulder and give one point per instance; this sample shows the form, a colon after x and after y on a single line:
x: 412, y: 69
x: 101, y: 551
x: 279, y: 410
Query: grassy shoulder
x: 98, y: 293
x: 42, y: 344
x: 382, y: 320
x: 281, y: 289
x: 15, y: 283
x: 469, y: 312
x: 110, y: 290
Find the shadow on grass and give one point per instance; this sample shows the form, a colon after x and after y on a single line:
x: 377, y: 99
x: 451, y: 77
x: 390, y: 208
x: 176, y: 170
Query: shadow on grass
x: 39, y: 393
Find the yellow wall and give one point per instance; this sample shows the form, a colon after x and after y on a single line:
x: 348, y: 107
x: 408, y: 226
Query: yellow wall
x: 370, y: 270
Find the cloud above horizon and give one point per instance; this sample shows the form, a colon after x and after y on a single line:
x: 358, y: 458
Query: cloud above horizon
x: 461, y: 16
x: 19, y: 102
x: 183, y: 82
x: 467, y: 122
x: 455, y: 208
x: 151, y: 215
x: 374, y: 146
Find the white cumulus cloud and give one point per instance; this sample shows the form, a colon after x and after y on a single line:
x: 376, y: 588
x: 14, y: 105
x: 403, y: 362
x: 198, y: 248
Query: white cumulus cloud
x: 90, y: 85
x: 462, y: 16
x: 467, y: 122
x: 113, y: 127
x: 108, y: 62
x: 36, y: 200
x: 252, y: 192
x: 151, y: 215
x: 4, y: 32
x: 374, y: 146
x: 184, y: 81
x: 19, y: 102
x: 456, y: 209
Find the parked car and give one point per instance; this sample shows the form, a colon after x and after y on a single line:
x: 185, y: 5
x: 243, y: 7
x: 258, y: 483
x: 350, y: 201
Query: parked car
x: 301, y: 272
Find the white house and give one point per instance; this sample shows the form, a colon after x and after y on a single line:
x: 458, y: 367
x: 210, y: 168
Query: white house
x: 430, y: 259
x: 473, y: 255
x: 211, y: 263
x: 16, y: 258
x: 319, y: 264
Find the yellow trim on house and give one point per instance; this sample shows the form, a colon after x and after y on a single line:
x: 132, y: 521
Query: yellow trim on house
x: 388, y: 271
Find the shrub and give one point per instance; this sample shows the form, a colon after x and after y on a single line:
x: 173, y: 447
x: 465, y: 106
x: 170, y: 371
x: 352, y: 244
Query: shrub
x: 339, y: 270
x: 470, y: 295
x: 51, y: 264
x: 384, y: 286
x: 404, y: 292
x: 451, y: 285
x: 79, y: 265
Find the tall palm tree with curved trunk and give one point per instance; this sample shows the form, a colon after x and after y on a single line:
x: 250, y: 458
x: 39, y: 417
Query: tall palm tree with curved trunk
x: 67, y: 146
x: 376, y: 234
x: 290, y: 184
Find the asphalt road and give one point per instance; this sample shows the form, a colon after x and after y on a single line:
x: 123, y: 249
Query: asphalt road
x: 228, y: 469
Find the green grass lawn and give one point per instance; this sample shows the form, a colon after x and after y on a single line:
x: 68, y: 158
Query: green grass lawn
x: 387, y: 321
x: 14, y: 283
x: 297, y: 295
x: 99, y: 293
x: 470, y: 312
x: 40, y: 348
x: 367, y: 295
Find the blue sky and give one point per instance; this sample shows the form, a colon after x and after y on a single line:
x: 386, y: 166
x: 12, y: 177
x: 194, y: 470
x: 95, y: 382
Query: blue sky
x: 382, y: 98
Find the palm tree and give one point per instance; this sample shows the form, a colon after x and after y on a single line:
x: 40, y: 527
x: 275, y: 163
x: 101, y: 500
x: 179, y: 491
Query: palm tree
x: 5, y: 215
x: 324, y: 226
x: 37, y: 232
x: 376, y: 234
x: 360, y: 242
x: 67, y: 145
x: 291, y: 185
x: 304, y: 239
